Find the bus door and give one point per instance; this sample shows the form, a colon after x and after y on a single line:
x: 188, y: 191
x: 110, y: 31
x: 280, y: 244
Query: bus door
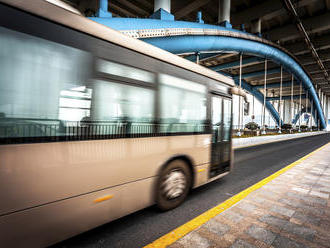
x: 221, y: 135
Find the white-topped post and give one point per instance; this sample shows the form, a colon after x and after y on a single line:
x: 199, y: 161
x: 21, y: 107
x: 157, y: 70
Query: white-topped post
x: 162, y: 4
x: 239, y: 97
x: 264, y: 105
x: 280, y: 108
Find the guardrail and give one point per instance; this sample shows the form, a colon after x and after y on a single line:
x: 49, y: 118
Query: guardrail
x: 32, y: 131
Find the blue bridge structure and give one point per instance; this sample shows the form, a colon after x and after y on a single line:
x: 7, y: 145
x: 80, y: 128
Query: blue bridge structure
x: 197, y: 41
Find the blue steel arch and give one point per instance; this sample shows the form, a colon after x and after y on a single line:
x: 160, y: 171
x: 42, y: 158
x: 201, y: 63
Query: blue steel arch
x: 299, y: 114
x: 197, y: 43
x: 259, y: 96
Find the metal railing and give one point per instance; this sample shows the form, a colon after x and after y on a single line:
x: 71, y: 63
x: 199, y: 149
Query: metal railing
x: 24, y: 130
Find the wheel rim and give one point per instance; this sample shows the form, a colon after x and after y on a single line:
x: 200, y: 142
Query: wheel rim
x: 174, y: 184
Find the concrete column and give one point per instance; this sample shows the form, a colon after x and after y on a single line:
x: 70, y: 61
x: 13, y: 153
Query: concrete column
x: 256, y: 26
x: 327, y: 114
x: 264, y: 103
x: 253, y: 115
x: 197, y: 57
x: 311, y: 118
x: 306, y: 104
x: 300, y: 106
x: 164, y: 4
x: 224, y: 11
x: 287, y: 112
x: 324, y: 102
x: 280, y: 108
x: 283, y: 111
x: 240, y: 119
x: 291, y: 102
x: 321, y: 98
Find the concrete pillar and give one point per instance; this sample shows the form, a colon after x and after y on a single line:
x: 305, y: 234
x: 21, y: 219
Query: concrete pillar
x: 321, y: 98
x: 256, y: 26
x: 324, y: 102
x: 264, y: 103
x: 327, y: 114
x: 283, y: 111
x: 287, y: 112
x: 300, y: 106
x: 224, y: 12
x: 164, y: 4
x: 240, y: 109
x: 291, y: 112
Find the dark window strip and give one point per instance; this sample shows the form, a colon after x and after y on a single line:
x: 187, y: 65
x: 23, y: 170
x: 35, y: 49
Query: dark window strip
x: 45, y: 139
x: 14, y: 133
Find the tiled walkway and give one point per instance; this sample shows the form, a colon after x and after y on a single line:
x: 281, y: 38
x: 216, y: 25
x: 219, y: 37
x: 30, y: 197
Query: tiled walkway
x: 293, y: 210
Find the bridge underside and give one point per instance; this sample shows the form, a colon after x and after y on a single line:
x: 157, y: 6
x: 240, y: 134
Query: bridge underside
x: 220, y: 48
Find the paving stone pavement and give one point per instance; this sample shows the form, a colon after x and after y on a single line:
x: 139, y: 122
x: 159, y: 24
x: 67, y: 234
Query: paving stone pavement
x: 291, y: 211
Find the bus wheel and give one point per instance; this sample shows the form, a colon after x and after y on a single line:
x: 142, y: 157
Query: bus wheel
x: 173, y: 185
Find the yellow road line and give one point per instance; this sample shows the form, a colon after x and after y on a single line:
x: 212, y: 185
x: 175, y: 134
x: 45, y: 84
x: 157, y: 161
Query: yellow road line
x: 181, y: 231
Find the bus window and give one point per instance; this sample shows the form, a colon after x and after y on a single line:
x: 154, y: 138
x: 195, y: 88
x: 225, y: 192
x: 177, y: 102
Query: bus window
x: 34, y: 72
x: 47, y: 90
x: 114, y: 101
x: 216, y: 118
x: 182, y: 105
x: 226, y: 119
x: 125, y: 71
x: 221, y: 133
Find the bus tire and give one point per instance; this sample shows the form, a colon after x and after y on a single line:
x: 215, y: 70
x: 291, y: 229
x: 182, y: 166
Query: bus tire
x: 173, y: 185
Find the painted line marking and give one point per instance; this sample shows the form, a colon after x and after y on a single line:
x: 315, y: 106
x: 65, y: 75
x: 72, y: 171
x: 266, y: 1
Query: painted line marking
x: 193, y: 224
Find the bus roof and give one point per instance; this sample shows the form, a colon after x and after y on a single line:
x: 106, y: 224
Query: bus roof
x: 67, y: 18
x: 64, y: 5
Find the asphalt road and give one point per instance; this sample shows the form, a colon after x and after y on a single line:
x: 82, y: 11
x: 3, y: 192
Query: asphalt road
x: 251, y: 165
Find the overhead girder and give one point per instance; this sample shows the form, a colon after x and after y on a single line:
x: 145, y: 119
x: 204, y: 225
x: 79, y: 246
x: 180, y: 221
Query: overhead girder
x: 300, y: 48
x: 202, y: 56
x: 277, y: 85
x: 192, y: 6
x: 260, y: 73
x: 260, y: 11
x: 309, y: 60
x: 316, y: 67
x: 235, y: 64
x: 312, y: 25
x: 180, y: 44
x: 266, y: 10
x: 276, y: 98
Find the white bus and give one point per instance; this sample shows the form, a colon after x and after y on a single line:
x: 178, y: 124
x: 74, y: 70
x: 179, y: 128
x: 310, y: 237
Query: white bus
x: 95, y: 125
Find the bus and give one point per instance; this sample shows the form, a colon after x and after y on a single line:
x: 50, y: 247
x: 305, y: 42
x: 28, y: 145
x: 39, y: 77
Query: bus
x: 95, y: 125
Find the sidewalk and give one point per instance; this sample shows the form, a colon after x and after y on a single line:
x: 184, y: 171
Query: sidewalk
x: 259, y: 140
x: 290, y: 210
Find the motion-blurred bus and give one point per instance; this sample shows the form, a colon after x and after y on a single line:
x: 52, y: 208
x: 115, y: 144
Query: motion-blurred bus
x: 95, y: 125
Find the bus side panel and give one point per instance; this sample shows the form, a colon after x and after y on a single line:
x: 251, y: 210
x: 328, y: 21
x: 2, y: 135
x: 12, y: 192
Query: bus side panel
x: 35, y: 174
x: 48, y: 224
